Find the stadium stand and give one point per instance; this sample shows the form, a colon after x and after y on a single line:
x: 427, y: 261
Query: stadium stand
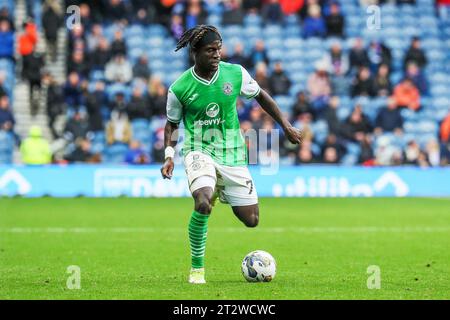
x: 302, y: 56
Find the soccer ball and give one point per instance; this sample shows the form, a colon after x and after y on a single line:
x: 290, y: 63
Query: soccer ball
x: 258, y: 266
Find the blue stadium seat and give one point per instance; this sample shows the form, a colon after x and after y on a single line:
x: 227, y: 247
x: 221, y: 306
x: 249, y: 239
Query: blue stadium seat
x: 115, y: 153
x: 252, y: 20
x: 156, y: 30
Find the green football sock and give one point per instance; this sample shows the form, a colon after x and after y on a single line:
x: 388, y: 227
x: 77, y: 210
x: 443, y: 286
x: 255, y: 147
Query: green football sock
x: 198, y: 227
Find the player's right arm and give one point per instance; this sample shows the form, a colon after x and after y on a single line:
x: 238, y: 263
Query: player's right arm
x: 170, y: 141
x: 174, y: 114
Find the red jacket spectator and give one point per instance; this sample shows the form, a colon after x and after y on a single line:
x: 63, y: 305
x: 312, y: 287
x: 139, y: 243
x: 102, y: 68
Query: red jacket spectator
x: 407, y: 95
x: 291, y: 6
x: 28, y: 39
x: 445, y: 129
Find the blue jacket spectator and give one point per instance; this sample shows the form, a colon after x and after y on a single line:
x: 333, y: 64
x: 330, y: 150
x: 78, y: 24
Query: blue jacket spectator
x: 314, y: 25
x: 135, y: 155
x: 6, y: 40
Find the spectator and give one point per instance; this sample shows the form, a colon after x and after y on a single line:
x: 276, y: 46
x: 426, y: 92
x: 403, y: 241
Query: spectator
x: 411, y: 153
x: 258, y: 54
x: 335, y: 21
x: 261, y: 76
x: 35, y: 150
x: 378, y: 54
x: 332, y: 142
x: 28, y: 39
x: 73, y: 92
x: 305, y: 155
x: 82, y: 152
x: 95, y: 101
x: 291, y: 6
x: 416, y: 76
x: 256, y: 117
x: 7, y: 120
x: 76, y: 127
x: 176, y: 26
x: 336, y: 61
x: 330, y: 115
x: 78, y: 64
x: 356, y: 126
x: 238, y: 56
x: 194, y: 14
x: 6, y: 16
x: 6, y: 41
x: 118, y: 70
x: 252, y: 6
x: 138, y: 107
x: 363, y: 84
x: 94, y: 38
x: 303, y: 123
x: 31, y: 71
x: 52, y: 20
x: 366, y: 156
x: 301, y: 106
x: 389, y: 118
x: 143, y: 12
x: 271, y: 12
x: 141, y: 69
x: 101, y: 55
x: 358, y: 55
x: 319, y: 87
x: 158, y: 97
x: 445, y: 129
x: 433, y: 152
x: 415, y: 54
x: 279, y: 82
x: 382, y: 84
x: 232, y: 13
x: 386, y: 154
x: 330, y: 156
x: 118, y: 46
x: 118, y: 103
x: 115, y: 11
x: 314, y: 24
x: 118, y: 129
x: 55, y: 102
x: 77, y: 38
x: 337, y: 66
x: 86, y: 19
x: 135, y: 154
x: 407, y: 95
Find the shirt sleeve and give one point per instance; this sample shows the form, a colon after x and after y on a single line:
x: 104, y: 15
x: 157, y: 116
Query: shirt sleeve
x: 174, y: 107
x: 249, y: 87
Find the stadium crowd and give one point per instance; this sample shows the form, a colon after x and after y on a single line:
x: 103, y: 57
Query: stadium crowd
x: 115, y: 101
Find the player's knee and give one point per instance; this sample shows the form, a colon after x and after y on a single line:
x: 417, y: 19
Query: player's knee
x: 253, y: 220
x: 203, y: 205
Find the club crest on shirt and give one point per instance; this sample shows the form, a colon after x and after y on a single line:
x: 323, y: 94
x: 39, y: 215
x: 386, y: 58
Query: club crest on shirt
x: 227, y: 88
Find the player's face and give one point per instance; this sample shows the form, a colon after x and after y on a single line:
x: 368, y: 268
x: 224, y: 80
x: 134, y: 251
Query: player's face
x: 208, y: 57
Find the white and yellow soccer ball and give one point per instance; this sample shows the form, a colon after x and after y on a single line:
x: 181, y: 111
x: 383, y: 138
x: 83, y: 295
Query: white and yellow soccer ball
x: 259, y: 266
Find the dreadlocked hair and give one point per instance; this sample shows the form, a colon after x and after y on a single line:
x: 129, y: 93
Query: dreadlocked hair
x: 193, y: 36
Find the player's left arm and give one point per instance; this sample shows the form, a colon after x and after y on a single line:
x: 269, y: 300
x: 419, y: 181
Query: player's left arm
x: 270, y: 106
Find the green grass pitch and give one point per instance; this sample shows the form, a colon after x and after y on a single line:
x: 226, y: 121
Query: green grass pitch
x: 138, y: 249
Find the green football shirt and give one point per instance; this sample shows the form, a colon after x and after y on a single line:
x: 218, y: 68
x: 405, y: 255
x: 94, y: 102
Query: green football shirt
x: 208, y: 111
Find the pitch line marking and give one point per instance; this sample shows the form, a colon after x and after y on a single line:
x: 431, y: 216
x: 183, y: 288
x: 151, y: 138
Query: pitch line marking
x: 366, y: 229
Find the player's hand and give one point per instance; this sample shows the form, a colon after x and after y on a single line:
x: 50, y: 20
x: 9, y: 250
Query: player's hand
x: 294, y: 135
x: 167, y: 168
